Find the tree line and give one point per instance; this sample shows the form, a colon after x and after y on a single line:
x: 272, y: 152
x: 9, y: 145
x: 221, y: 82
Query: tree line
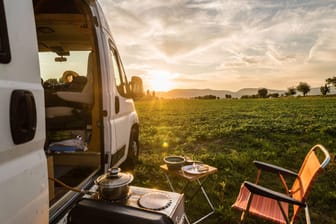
x: 302, y: 87
x: 207, y: 97
x: 326, y: 88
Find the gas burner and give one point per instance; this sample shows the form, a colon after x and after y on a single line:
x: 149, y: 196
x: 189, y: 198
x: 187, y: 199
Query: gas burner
x: 155, y: 201
x: 150, y: 200
x: 123, y: 200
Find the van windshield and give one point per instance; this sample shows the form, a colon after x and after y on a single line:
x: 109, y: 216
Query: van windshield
x: 51, y: 69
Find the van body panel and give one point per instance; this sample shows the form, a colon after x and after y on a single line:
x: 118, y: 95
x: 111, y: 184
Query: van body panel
x: 25, y: 190
x: 107, y: 83
x: 117, y: 124
x: 23, y: 167
x: 124, y: 122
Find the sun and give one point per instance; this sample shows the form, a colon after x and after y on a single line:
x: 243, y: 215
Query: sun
x: 161, y: 80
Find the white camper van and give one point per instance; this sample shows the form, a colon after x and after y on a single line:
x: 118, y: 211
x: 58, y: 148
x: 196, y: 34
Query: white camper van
x: 66, y: 106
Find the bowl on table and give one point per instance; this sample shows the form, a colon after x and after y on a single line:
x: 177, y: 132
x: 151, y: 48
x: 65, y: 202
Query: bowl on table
x: 174, y: 162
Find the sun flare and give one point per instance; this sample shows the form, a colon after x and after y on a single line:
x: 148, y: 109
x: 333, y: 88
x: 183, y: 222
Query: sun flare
x: 161, y: 80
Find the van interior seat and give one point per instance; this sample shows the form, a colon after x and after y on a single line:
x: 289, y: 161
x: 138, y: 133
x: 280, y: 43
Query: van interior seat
x: 84, y: 97
x: 73, y: 109
x: 59, y: 111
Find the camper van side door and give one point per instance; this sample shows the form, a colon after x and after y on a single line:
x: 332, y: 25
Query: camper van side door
x: 123, y: 107
x: 23, y: 164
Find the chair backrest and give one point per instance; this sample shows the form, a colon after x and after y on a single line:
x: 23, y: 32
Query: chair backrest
x: 308, y: 172
x: 86, y: 95
x: 88, y: 88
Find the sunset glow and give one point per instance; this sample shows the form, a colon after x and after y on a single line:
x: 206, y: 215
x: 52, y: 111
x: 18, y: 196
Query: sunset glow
x: 160, y: 81
x: 231, y: 44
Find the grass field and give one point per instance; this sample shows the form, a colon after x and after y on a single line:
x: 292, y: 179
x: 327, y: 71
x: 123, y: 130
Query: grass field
x: 230, y: 134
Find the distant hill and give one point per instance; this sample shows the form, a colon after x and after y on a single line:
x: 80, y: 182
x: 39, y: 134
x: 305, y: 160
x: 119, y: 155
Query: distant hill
x: 316, y: 91
x: 189, y: 93
x: 254, y: 91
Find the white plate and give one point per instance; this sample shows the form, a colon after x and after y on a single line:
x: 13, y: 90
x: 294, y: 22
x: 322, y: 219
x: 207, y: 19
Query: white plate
x: 193, y: 170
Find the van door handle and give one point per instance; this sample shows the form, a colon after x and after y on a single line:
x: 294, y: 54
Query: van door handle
x: 22, y: 116
x: 117, y: 104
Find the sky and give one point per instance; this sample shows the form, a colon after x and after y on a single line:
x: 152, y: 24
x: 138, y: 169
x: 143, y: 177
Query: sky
x: 225, y: 44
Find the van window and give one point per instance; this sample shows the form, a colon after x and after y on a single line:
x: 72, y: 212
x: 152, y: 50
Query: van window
x: 52, y: 72
x: 4, y: 43
x: 119, y: 74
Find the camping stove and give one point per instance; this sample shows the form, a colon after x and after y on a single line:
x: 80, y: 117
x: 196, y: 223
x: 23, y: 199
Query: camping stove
x: 169, y: 203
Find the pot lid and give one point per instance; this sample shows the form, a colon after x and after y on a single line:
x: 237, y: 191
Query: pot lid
x: 114, y: 178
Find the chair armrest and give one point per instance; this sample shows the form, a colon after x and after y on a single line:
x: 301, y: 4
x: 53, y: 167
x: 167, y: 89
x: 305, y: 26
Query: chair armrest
x: 259, y: 190
x: 274, y: 168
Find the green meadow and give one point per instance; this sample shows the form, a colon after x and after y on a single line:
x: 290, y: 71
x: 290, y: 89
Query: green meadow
x: 230, y: 134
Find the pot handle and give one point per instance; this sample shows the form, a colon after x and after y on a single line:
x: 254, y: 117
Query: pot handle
x: 114, y: 171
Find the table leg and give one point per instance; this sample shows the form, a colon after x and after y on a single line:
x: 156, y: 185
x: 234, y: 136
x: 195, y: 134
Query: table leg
x: 206, y: 195
x: 170, y: 183
x: 200, y: 184
x: 197, y: 190
x: 208, y: 200
x: 173, y: 189
x: 186, y: 218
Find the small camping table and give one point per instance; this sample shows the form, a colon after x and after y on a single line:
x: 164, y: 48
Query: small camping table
x: 200, y: 180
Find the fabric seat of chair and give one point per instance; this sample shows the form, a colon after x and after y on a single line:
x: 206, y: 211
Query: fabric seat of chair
x: 261, y: 206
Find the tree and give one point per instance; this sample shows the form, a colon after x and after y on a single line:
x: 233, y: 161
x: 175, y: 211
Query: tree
x: 331, y: 81
x: 206, y: 97
x: 274, y: 95
x: 325, y: 89
x: 291, y: 91
x: 262, y: 92
x: 303, y: 87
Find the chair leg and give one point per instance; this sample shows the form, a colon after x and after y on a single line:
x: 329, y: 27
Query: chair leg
x: 307, y: 215
x: 283, y: 212
x: 242, y: 217
x: 247, y: 208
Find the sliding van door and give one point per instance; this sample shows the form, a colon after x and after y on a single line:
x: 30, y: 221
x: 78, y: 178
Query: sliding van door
x: 23, y: 166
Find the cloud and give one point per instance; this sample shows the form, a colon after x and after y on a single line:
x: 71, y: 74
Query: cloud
x: 225, y: 40
x: 277, y: 57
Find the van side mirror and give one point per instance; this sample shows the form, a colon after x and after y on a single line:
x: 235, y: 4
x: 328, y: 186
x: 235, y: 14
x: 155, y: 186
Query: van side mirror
x: 136, y: 87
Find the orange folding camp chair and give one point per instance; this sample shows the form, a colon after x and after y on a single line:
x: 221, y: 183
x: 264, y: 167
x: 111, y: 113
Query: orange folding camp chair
x: 274, y: 206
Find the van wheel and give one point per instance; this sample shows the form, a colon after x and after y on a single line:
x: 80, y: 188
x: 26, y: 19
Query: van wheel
x: 133, y: 152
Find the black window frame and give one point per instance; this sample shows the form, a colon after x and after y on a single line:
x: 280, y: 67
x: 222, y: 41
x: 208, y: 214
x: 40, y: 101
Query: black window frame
x: 5, y: 56
x: 123, y: 89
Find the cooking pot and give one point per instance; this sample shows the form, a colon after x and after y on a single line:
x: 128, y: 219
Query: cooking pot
x: 114, y: 185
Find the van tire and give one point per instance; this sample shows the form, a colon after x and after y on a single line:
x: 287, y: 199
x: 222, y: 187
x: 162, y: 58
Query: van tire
x: 133, y: 151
